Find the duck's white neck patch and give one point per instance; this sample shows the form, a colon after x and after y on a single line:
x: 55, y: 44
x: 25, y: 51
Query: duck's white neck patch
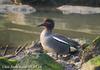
x: 60, y: 40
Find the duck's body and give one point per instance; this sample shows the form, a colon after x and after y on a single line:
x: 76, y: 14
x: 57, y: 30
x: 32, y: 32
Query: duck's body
x: 55, y: 43
x: 52, y: 44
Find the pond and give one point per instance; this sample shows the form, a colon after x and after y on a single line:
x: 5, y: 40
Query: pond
x: 73, y: 25
x: 78, y: 26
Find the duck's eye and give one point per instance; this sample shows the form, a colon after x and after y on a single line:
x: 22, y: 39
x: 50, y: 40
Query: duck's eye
x: 49, y: 23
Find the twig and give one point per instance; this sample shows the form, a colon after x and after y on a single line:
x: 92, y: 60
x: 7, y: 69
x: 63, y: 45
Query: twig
x: 19, y: 47
x: 81, y: 59
x: 5, y: 51
x: 23, y: 47
x: 18, y: 50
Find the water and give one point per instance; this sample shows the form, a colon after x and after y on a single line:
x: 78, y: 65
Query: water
x: 75, y: 23
x: 71, y: 25
x: 22, y: 28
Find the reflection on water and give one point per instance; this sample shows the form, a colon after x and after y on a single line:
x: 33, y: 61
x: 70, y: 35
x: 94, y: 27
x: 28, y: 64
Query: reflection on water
x: 73, y: 22
x: 16, y: 18
x: 73, y: 25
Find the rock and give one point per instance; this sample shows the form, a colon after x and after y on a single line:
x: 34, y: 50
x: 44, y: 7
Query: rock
x: 23, y: 9
x: 4, y: 1
x: 69, y: 9
x: 38, y: 61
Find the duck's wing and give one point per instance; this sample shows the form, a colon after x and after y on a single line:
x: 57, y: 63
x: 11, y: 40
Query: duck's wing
x: 65, y: 40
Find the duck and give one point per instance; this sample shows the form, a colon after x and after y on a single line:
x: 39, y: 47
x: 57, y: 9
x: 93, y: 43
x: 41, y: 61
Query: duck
x: 55, y: 43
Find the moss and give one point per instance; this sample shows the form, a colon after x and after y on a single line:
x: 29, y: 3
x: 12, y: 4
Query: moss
x: 95, y: 43
x: 92, y: 64
x: 39, y: 61
x: 4, y: 61
x: 95, y: 61
x: 12, y: 62
x: 47, y: 60
x: 97, y: 39
x: 5, y: 64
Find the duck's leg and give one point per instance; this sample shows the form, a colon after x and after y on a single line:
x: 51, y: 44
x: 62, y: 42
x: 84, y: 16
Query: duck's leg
x: 57, y: 56
x: 61, y: 56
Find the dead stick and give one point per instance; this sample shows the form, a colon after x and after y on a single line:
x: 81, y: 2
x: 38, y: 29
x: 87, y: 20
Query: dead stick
x: 18, y: 48
x: 23, y: 47
x: 5, y: 50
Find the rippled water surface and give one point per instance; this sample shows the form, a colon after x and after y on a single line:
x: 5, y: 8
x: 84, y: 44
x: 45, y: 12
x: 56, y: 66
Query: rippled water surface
x: 73, y: 25
x: 89, y: 24
x: 23, y: 28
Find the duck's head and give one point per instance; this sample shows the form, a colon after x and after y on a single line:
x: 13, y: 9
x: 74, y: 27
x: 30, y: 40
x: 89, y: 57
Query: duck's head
x: 48, y: 24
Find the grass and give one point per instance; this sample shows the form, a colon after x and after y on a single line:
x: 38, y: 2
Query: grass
x: 95, y: 61
x: 39, y: 61
x: 4, y: 62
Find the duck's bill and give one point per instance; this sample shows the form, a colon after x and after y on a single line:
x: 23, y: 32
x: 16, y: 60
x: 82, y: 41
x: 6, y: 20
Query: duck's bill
x: 40, y: 25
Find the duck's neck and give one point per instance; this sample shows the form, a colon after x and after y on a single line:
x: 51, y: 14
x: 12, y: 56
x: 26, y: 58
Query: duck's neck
x: 46, y: 32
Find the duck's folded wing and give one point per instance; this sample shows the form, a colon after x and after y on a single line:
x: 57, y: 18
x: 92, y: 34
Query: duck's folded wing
x: 65, y: 40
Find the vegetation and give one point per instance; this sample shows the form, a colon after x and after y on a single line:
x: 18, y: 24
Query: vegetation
x: 92, y: 50
x: 39, y: 61
x: 13, y: 35
x: 6, y: 64
x: 92, y: 64
x: 95, y: 60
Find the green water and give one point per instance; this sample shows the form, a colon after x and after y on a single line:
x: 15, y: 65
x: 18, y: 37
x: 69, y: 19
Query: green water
x: 73, y: 25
